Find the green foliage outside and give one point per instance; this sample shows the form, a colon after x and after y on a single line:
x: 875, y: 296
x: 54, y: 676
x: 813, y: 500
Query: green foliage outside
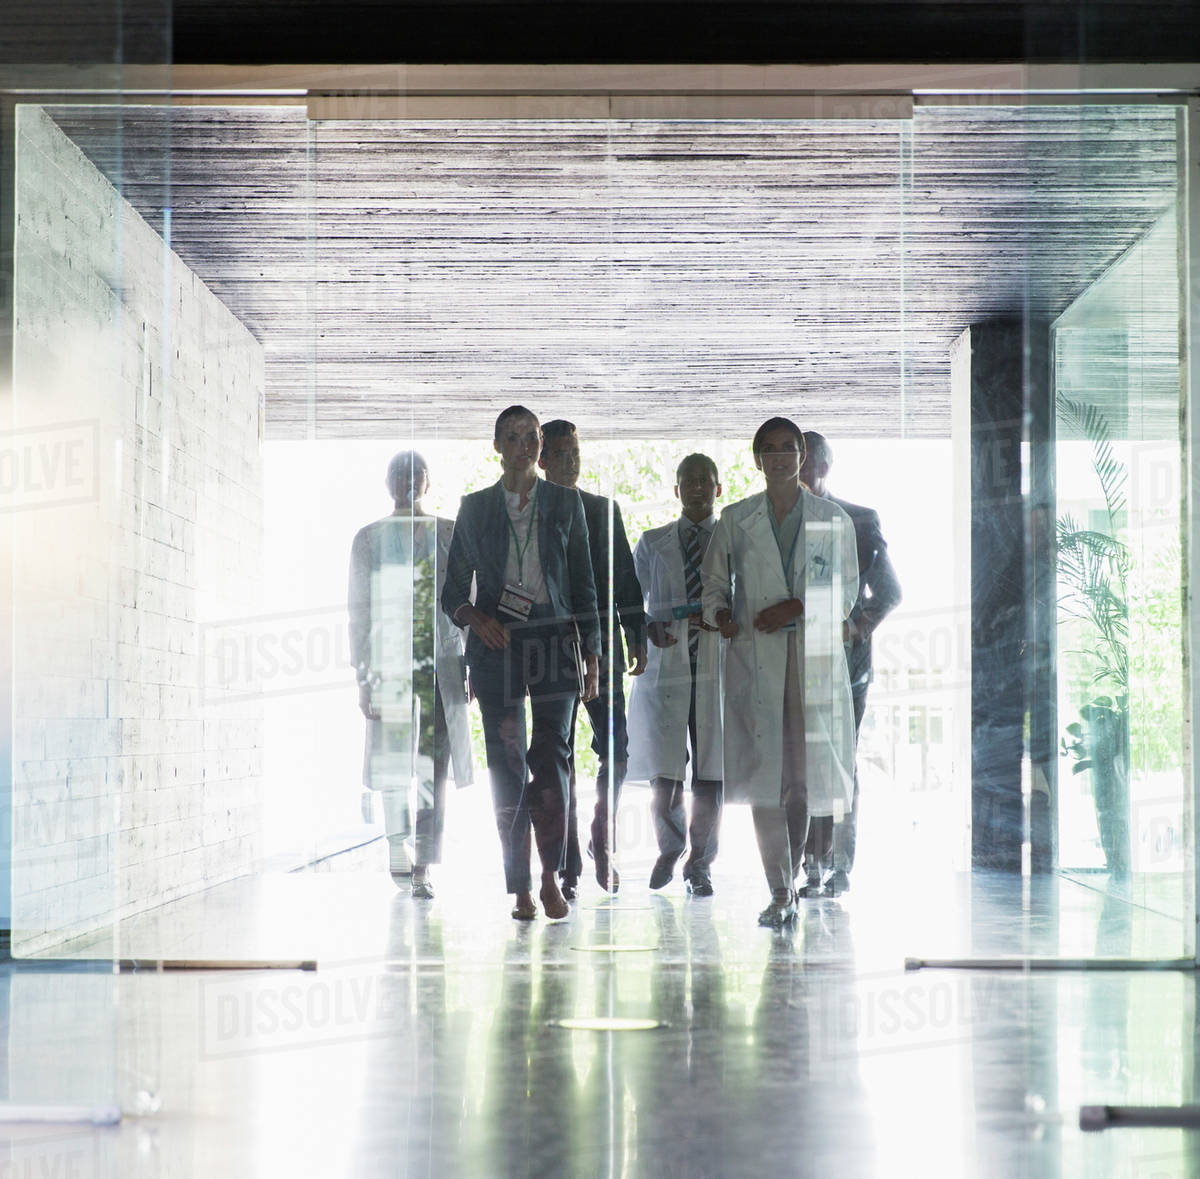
x: 1093, y: 567
x: 1120, y: 641
x: 1156, y: 658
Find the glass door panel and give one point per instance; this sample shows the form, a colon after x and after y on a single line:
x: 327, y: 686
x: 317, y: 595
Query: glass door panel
x: 1064, y: 394
x: 1123, y: 790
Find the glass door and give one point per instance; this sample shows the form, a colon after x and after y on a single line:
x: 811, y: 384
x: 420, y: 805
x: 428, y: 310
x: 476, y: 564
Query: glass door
x: 1122, y: 784
x: 1066, y: 689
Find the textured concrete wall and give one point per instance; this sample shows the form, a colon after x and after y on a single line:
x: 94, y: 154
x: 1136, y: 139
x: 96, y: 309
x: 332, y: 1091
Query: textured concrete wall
x: 135, y: 478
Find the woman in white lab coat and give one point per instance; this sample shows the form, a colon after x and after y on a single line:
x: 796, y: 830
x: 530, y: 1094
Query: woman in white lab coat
x: 780, y: 578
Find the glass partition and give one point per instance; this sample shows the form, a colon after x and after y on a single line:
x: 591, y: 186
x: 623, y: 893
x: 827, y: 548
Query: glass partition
x: 240, y: 705
x: 1063, y: 676
x: 1123, y: 790
x: 78, y: 346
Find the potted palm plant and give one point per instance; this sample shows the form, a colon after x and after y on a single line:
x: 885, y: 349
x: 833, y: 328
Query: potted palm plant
x: 1093, y: 571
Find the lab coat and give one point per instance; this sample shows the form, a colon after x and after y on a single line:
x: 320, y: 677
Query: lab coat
x: 743, y: 572
x: 660, y: 698
x: 382, y: 617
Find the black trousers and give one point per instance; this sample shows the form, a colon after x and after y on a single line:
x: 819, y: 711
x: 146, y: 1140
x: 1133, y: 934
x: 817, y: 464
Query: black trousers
x: 780, y: 832
x: 612, y: 689
x: 529, y: 781
x: 670, y: 819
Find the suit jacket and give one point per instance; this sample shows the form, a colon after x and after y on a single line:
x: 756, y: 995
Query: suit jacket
x: 626, y: 590
x: 479, y: 550
x: 878, y: 587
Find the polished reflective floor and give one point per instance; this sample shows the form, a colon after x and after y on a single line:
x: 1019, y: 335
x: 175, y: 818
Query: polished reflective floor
x: 426, y: 1043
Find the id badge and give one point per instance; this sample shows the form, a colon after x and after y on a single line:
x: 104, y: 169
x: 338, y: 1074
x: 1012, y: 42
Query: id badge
x: 685, y: 611
x: 516, y: 600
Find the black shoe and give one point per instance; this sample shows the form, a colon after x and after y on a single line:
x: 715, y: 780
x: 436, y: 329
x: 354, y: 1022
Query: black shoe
x: 663, y: 871
x: 569, y: 889
x: 838, y: 883
x: 606, y: 874
x: 779, y: 912
x: 422, y: 888
x: 811, y: 890
x: 699, y: 885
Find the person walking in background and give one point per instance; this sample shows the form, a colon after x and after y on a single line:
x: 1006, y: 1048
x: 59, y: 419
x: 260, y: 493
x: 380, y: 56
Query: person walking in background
x: 524, y: 544
x: 780, y: 578
x: 560, y: 461
x: 408, y: 660
x: 677, y: 702
x: 878, y: 596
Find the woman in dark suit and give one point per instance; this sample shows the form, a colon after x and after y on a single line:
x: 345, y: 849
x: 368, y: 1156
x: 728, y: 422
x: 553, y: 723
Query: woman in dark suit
x: 524, y: 541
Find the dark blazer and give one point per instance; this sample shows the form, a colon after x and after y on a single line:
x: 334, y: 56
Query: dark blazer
x: 878, y: 588
x: 479, y: 548
x: 626, y: 590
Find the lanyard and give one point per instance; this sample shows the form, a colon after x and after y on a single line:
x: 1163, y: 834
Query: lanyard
x: 522, y: 549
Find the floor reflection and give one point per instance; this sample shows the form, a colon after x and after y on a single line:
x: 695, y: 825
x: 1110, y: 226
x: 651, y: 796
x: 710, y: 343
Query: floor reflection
x: 426, y: 1042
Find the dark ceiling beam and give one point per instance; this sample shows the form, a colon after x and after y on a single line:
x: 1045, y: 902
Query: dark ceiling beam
x: 619, y: 31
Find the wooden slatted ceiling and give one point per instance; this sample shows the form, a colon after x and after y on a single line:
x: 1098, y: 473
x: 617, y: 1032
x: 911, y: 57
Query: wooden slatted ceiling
x: 644, y: 278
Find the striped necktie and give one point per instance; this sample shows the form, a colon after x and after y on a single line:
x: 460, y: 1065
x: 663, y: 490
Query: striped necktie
x: 692, y: 575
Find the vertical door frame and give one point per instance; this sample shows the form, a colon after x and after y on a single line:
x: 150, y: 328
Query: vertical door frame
x: 1188, y: 206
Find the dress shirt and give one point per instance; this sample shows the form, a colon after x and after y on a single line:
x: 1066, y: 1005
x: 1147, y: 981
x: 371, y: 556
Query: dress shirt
x: 706, y: 530
x: 528, y: 572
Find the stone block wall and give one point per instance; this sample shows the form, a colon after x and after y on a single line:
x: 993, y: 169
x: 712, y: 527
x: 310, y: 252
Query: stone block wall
x: 136, y: 487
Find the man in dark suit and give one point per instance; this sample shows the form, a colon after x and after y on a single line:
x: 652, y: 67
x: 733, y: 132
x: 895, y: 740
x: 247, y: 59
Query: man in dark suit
x: 560, y: 461
x: 524, y: 542
x: 878, y: 596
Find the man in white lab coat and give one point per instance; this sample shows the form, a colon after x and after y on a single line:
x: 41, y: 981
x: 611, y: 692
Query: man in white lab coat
x: 780, y: 579
x: 677, y: 701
